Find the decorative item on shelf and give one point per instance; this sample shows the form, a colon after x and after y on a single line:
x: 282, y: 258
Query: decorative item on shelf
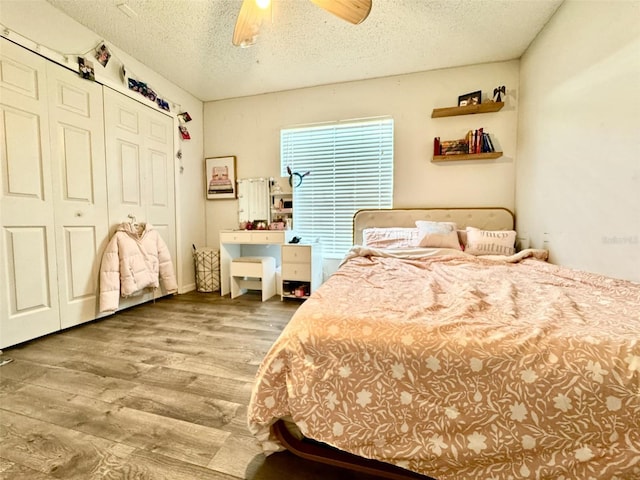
x: 473, y: 98
x: 276, y: 189
x: 277, y: 225
x: 259, y: 225
x: 497, y: 91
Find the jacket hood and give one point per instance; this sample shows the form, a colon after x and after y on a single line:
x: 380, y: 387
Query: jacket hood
x: 136, y: 230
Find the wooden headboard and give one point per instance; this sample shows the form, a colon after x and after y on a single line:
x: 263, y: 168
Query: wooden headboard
x: 489, y: 218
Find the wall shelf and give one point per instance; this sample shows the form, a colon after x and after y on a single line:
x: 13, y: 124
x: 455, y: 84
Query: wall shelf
x: 465, y: 156
x: 467, y: 110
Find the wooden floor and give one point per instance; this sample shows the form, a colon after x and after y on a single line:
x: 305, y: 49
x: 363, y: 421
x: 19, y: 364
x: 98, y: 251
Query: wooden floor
x: 159, y: 391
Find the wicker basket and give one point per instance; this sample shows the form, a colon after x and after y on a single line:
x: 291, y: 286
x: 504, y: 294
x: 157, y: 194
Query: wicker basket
x: 207, y: 268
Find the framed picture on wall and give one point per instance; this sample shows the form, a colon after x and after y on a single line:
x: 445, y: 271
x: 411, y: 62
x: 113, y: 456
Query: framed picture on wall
x: 220, y: 178
x: 473, y: 98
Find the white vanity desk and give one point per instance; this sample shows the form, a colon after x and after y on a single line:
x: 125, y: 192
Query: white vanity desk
x: 238, y: 243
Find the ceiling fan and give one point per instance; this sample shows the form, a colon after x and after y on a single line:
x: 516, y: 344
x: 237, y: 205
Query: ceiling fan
x: 252, y: 12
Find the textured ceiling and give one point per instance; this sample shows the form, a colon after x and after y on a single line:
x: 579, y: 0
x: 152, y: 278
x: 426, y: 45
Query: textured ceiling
x: 189, y: 41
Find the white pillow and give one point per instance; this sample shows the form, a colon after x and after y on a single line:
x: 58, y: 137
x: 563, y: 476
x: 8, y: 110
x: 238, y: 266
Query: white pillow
x: 490, y: 242
x: 427, y: 225
x: 437, y: 234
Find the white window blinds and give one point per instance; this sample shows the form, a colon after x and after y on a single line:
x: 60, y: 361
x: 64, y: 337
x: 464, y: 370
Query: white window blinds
x: 351, y: 165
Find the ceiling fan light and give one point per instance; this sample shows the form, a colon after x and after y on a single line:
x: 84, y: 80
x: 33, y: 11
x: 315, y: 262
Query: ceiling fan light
x: 263, y: 4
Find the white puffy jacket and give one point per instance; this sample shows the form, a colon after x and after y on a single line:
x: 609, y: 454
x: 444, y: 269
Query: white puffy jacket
x: 132, y: 261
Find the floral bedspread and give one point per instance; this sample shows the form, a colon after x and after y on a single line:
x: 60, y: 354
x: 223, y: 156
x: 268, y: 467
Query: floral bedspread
x: 460, y: 367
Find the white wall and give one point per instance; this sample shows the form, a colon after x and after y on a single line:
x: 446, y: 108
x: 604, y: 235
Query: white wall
x: 36, y: 22
x: 250, y: 129
x: 578, y: 167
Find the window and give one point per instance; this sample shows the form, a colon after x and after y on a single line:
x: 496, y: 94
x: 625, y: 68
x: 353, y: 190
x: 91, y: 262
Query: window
x: 351, y: 165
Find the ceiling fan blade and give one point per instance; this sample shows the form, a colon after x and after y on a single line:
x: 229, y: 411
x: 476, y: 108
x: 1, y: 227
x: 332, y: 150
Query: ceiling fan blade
x: 353, y: 11
x: 248, y: 23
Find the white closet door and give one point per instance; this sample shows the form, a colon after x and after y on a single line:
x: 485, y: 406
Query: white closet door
x: 80, y: 190
x: 140, y: 168
x: 159, y: 154
x: 28, y: 284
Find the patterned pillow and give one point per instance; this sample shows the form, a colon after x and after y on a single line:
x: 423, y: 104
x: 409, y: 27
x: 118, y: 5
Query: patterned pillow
x: 394, y: 237
x: 490, y: 242
x: 438, y: 235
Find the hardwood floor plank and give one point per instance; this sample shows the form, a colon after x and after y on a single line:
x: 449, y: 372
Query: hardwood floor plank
x: 46, y: 353
x: 181, y: 440
x: 89, y: 385
x: 188, y: 407
x: 55, y: 451
x: 236, y: 454
x: 15, y: 471
x: 148, y: 465
x: 229, y: 389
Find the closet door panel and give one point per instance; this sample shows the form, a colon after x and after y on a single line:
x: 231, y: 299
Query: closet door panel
x: 80, y: 243
x: 28, y: 275
x: 128, y: 156
x: 125, y: 171
x: 28, y: 267
x: 159, y: 186
x: 80, y: 191
x: 22, y: 154
x: 160, y: 190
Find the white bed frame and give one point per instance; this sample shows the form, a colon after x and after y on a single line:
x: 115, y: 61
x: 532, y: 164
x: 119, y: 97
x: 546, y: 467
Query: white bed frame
x: 489, y: 218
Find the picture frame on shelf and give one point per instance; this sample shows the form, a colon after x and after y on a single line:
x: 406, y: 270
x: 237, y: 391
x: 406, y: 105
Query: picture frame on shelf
x: 472, y: 98
x: 220, y: 178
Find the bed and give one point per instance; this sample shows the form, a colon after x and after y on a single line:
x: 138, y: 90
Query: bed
x: 431, y: 361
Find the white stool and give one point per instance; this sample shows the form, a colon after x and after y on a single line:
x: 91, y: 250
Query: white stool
x: 253, y: 273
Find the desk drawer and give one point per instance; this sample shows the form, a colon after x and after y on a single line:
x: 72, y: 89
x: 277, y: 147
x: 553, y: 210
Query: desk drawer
x: 235, y: 237
x: 249, y: 237
x: 296, y: 271
x: 267, y: 237
x: 296, y: 254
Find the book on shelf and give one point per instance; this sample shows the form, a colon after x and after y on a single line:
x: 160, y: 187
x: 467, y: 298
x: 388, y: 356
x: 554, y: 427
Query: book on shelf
x: 475, y: 141
x: 489, y: 143
x: 453, y: 147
